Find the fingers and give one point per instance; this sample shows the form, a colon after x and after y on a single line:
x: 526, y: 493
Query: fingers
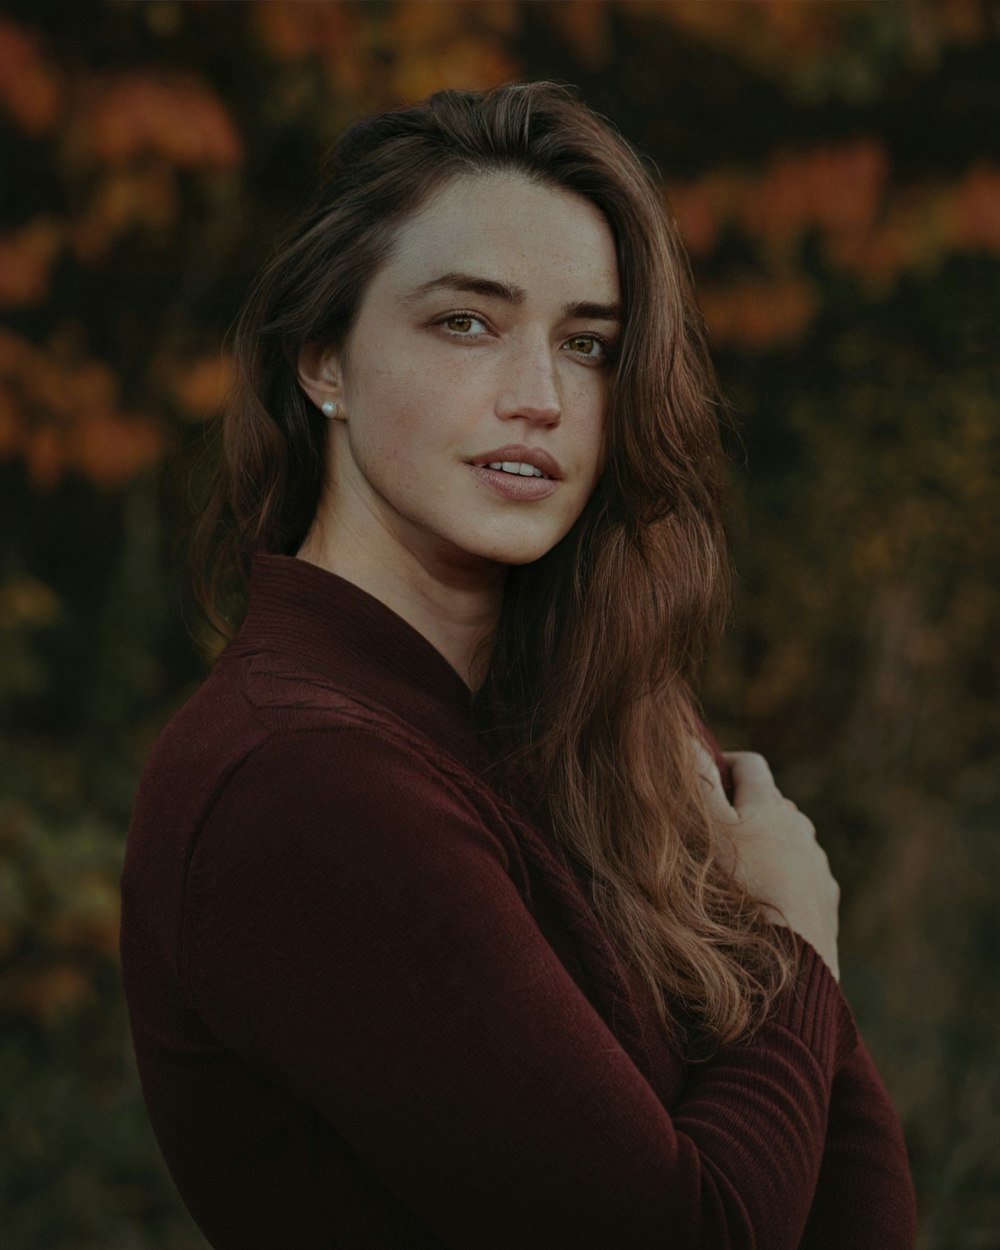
x: 752, y: 780
x: 754, y: 785
x: 750, y: 768
x: 707, y: 767
x: 715, y: 796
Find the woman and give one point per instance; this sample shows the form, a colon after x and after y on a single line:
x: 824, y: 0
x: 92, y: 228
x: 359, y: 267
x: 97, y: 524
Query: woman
x: 439, y: 927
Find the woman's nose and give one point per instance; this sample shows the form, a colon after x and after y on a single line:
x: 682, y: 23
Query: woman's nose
x: 530, y: 389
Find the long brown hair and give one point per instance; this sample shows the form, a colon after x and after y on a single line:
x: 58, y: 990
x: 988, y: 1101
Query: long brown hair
x: 587, y: 694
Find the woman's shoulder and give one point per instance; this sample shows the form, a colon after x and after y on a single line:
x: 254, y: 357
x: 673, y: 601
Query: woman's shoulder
x: 271, y: 738
x: 249, y: 700
x: 344, y: 788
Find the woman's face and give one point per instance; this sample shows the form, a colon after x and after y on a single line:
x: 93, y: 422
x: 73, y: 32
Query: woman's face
x: 487, y: 336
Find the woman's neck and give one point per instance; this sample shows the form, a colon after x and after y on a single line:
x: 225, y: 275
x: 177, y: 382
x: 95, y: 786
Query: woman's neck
x: 456, y: 609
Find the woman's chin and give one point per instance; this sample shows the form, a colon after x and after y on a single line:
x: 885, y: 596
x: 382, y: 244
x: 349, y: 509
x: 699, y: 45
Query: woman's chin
x: 513, y: 544
x: 511, y: 553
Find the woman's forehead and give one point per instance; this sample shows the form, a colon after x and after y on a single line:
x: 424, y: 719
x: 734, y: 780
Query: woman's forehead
x: 509, y: 230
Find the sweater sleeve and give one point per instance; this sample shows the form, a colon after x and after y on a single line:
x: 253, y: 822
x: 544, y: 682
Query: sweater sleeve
x: 352, y: 932
x: 864, y: 1197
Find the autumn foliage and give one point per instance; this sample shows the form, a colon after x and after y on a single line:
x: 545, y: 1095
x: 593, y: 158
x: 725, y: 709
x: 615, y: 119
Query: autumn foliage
x: 833, y: 169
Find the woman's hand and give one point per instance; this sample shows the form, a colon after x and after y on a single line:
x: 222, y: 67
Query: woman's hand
x: 771, y: 848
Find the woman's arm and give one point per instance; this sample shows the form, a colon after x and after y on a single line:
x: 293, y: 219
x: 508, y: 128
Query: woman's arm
x: 865, y: 1168
x: 352, y: 933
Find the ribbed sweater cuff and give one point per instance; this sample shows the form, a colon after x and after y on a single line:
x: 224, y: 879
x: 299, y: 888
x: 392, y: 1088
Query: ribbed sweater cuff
x: 815, y: 1010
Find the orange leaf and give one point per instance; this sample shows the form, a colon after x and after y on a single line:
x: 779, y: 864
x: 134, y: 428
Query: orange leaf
x: 447, y: 45
x: 200, y: 387
x: 30, y: 89
x: 26, y: 601
x: 696, y: 217
x: 26, y: 260
x: 759, y: 314
x: 46, y: 458
x: 13, y: 351
x: 11, y: 429
x: 110, y: 449
x: 60, y: 410
x: 294, y: 30
x: 587, y: 30
x: 47, y: 995
x: 836, y: 188
x: 975, y: 209
x: 173, y: 115
x: 470, y: 63
x: 145, y: 197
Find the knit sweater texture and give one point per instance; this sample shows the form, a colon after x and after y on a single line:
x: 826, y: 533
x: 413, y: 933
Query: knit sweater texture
x: 372, y: 1007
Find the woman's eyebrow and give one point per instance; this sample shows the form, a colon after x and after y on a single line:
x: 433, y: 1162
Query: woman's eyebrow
x: 594, y: 312
x: 493, y: 288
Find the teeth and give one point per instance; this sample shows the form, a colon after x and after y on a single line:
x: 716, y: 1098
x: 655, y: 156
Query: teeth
x: 513, y: 466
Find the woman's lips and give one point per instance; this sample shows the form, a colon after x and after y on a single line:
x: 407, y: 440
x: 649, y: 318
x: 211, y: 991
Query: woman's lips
x: 520, y: 453
x: 514, y: 485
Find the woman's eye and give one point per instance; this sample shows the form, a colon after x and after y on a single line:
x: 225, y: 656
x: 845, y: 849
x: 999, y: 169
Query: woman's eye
x: 588, y: 345
x: 463, y: 324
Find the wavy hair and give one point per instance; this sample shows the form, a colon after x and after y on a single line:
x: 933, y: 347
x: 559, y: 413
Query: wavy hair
x: 587, y: 696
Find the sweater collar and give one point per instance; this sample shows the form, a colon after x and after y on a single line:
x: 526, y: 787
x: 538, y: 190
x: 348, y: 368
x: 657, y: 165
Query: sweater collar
x: 364, y: 648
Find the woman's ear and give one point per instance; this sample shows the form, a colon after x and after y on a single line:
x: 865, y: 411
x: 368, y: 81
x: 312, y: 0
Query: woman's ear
x: 319, y: 374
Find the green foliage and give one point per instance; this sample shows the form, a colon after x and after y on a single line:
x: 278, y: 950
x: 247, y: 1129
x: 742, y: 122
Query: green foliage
x: 79, y: 1169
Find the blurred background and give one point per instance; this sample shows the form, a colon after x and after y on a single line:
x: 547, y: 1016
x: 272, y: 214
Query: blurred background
x: 834, y: 169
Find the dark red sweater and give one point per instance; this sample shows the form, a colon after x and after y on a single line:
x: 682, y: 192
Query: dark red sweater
x: 371, y: 1008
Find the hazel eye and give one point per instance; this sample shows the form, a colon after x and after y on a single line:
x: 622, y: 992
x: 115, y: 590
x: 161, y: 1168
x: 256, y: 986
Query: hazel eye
x: 465, y: 325
x: 588, y: 345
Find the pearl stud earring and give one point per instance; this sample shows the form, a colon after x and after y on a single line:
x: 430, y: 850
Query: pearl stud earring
x: 330, y: 408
